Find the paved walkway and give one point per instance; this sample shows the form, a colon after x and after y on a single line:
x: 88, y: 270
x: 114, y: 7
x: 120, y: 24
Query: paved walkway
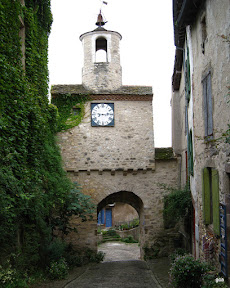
x: 121, y: 268
x: 117, y: 274
x: 119, y: 251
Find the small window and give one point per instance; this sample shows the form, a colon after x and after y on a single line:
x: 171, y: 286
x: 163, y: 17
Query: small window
x: 76, y: 111
x: 190, y: 153
x: 203, y: 33
x: 101, y: 50
x: 207, y: 100
x: 187, y: 77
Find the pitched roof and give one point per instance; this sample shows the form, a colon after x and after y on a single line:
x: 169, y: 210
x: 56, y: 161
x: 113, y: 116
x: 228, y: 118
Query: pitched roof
x: 82, y: 90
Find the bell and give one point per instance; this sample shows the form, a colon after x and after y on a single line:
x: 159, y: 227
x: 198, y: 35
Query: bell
x: 100, y: 21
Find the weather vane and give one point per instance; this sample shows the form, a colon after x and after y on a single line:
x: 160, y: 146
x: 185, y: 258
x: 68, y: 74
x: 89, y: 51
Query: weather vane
x: 100, y: 19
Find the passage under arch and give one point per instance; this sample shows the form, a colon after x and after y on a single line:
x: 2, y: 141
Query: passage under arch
x: 123, y: 197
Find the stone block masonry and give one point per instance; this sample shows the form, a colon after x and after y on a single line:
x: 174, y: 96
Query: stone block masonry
x: 127, y: 145
x: 117, y: 164
x: 114, y: 163
x: 143, y: 185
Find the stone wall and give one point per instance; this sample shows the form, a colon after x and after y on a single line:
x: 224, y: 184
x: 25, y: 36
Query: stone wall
x: 127, y: 145
x: 123, y: 213
x: 209, y: 53
x: 144, y: 184
x: 101, y: 75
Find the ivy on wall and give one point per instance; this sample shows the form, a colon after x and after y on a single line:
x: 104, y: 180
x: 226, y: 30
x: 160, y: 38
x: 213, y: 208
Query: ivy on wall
x: 71, y: 110
x: 33, y: 184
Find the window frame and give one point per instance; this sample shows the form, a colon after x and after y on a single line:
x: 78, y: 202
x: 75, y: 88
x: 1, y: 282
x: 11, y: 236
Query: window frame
x: 207, y: 106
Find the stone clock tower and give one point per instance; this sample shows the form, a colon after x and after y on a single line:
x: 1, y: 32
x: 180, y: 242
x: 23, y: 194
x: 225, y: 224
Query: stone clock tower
x: 98, y: 75
x: 111, y: 152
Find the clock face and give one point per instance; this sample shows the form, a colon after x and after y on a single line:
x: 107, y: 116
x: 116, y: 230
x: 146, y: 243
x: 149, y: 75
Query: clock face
x: 102, y: 114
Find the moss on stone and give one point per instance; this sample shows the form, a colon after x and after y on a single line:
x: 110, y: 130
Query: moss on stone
x: 164, y: 153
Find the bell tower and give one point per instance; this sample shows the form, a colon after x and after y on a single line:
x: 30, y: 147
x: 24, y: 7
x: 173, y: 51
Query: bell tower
x: 102, y: 69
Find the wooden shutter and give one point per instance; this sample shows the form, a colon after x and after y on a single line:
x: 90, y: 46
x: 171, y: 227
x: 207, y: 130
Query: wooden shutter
x: 215, y: 200
x: 206, y: 196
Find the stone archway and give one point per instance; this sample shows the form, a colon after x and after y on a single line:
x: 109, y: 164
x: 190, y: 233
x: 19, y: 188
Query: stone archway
x: 127, y: 198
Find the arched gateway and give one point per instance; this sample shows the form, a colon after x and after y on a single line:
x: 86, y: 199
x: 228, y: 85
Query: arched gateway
x: 111, y: 152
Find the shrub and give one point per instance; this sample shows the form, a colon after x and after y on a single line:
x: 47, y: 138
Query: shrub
x: 10, y: 278
x: 58, y: 269
x: 129, y: 239
x: 57, y: 249
x: 213, y: 281
x: 186, y: 272
x: 129, y: 225
x: 177, y: 252
x: 92, y: 256
x: 111, y: 232
x: 177, y: 205
x: 151, y: 252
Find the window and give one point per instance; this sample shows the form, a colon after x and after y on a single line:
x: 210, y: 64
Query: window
x: 190, y: 152
x: 204, y: 33
x: 210, y: 187
x: 76, y: 111
x: 207, y: 100
x: 101, y: 50
x: 187, y: 77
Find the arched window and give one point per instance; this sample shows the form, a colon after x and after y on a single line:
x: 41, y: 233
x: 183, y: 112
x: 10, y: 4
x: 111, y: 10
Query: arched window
x: 101, y: 50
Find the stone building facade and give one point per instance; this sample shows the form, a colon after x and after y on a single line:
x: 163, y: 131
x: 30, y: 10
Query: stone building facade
x: 200, y: 117
x: 111, y: 153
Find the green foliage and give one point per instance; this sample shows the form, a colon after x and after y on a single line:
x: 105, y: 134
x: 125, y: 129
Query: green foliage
x: 67, y: 118
x: 11, y: 278
x: 177, y: 204
x: 177, y: 252
x: 76, y: 204
x: 128, y: 225
x: 151, y: 252
x: 186, y: 272
x: 110, y: 235
x: 129, y: 239
x: 34, y: 188
x: 211, y: 280
x: 93, y: 256
x: 58, y: 269
x: 111, y: 232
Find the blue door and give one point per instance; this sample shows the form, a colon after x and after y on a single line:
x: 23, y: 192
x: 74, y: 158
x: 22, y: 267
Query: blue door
x: 108, y: 218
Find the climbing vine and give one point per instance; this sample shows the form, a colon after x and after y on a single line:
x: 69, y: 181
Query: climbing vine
x: 71, y: 110
x: 33, y: 185
x: 177, y: 205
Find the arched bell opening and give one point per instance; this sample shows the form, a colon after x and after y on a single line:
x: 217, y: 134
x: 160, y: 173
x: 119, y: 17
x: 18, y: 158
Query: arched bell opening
x: 101, y: 50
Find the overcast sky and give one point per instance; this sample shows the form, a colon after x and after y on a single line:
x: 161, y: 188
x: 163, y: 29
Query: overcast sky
x: 147, y: 48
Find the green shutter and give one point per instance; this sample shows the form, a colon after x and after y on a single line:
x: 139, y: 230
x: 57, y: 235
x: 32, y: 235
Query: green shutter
x: 215, y: 200
x: 206, y: 197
